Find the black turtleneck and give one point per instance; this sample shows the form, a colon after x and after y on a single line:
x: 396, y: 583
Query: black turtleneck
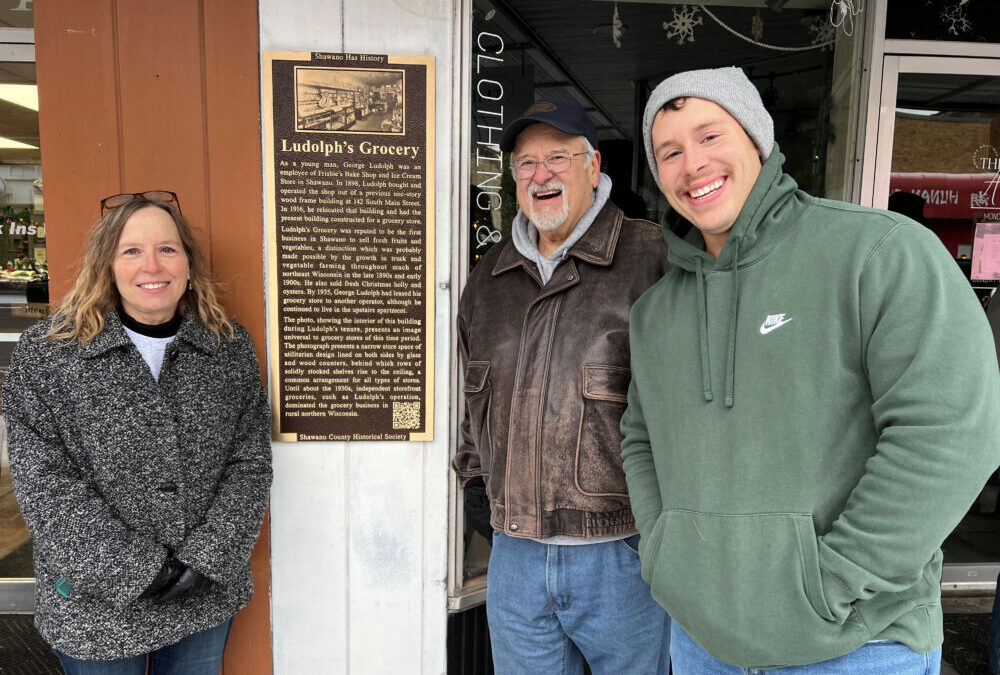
x: 160, y: 330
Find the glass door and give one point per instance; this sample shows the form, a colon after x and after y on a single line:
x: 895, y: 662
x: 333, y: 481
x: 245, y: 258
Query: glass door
x: 937, y: 160
x: 23, y: 272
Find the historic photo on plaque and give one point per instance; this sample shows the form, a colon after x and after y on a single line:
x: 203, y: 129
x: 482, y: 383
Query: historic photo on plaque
x: 350, y: 168
x: 349, y: 99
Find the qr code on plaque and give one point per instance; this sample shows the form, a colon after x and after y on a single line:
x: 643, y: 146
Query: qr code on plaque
x: 406, y: 414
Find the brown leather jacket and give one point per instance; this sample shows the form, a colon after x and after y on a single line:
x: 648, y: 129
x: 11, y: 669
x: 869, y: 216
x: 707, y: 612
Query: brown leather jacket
x: 546, y: 376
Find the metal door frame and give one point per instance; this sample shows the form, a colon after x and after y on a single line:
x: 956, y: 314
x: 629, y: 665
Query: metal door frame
x: 462, y: 593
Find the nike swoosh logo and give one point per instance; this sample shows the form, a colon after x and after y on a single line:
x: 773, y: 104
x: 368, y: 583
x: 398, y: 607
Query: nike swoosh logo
x: 765, y: 329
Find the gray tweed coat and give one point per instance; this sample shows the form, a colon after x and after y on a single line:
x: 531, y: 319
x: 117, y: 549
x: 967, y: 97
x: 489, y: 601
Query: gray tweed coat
x: 110, y: 466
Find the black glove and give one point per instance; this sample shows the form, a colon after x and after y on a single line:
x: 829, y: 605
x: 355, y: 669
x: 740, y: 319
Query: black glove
x: 477, y: 508
x: 190, y: 583
x: 167, y: 576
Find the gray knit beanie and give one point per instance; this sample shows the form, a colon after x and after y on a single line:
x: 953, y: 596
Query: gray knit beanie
x: 727, y: 87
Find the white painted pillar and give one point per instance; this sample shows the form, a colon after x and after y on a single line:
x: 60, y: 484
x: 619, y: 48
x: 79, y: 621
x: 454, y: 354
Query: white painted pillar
x: 359, y: 531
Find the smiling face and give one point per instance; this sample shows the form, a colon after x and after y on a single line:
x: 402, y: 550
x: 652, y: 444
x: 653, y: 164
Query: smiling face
x: 707, y: 166
x: 554, y: 203
x: 150, y: 267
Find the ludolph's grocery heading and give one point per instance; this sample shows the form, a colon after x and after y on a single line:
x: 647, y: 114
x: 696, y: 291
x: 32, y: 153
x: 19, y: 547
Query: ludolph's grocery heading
x: 365, y: 148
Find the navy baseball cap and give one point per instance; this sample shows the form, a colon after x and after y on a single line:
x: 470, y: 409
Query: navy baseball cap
x: 566, y: 116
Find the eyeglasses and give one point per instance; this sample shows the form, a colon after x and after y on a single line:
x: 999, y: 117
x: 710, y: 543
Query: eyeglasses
x: 526, y: 168
x: 155, y: 196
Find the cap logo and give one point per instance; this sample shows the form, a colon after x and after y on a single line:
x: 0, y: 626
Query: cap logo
x: 541, y: 107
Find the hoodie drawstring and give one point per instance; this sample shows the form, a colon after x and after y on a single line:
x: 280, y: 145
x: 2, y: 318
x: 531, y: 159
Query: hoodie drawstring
x: 733, y: 310
x: 706, y: 372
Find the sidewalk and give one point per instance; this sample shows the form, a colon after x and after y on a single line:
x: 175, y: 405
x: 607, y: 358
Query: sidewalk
x: 966, y: 637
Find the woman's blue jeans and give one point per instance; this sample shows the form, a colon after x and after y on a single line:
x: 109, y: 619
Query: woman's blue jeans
x: 197, y: 654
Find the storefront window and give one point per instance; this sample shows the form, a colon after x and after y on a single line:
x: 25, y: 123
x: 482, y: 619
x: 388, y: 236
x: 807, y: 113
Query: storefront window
x: 23, y: 261
x: 951, y: 20
x: 944, y: 161
x: 608, y: 56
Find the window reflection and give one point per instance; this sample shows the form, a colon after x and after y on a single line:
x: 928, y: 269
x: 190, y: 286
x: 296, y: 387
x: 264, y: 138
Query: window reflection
x: 23, y: 262
x: 608, y: 56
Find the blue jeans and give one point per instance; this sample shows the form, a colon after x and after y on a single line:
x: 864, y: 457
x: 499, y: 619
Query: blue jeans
x: 880, y: 657
x: 551, y: 606
x: 197, y: 654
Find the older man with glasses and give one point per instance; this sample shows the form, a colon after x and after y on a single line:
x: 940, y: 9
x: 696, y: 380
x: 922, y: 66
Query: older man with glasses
x: 543, y: 336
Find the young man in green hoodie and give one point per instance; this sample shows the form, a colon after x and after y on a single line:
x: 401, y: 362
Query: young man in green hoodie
x: 813, y: 407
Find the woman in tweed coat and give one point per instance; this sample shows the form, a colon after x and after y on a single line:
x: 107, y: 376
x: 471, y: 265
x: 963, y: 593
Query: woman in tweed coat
x: 139, y: 439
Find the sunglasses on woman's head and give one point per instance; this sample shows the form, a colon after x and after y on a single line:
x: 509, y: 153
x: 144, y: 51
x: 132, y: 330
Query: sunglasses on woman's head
x: 155, y: 196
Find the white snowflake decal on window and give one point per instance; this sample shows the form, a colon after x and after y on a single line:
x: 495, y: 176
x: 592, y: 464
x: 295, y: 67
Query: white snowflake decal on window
x: 956, y: 19
x: 682, y: 27
x: 824, y: 32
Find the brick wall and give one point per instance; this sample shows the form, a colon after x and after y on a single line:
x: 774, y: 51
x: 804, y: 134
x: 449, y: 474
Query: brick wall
x: 933, y: 146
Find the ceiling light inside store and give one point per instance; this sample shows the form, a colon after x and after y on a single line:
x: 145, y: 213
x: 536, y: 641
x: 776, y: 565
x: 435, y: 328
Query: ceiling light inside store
x: 11, y: 144
x: 916, y: 111
x: 24, y: 95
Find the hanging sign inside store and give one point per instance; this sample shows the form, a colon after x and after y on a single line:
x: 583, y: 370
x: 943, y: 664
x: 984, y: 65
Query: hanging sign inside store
x: 986, y: 253
x: 350, y: 187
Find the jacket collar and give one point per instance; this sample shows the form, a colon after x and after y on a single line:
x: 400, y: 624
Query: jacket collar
x: 192, y: 331
x: 596, y: 246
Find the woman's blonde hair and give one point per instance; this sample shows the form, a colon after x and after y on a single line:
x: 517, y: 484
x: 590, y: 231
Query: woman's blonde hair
x: 80, y: 315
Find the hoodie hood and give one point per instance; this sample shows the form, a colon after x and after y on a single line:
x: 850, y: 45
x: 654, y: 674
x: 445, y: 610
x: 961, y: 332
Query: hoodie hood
x: 772, y: 208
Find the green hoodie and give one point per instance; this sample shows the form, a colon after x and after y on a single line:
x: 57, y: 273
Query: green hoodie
x: 802, y: 433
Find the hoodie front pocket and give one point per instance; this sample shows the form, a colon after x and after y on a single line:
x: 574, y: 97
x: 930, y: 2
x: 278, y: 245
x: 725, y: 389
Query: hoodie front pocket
x: 477, y: 404
x: 598, y: 468
x: 748, y: 588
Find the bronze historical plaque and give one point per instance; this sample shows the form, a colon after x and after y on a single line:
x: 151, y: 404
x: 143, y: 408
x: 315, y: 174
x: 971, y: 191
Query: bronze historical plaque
x: 350, y: 167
